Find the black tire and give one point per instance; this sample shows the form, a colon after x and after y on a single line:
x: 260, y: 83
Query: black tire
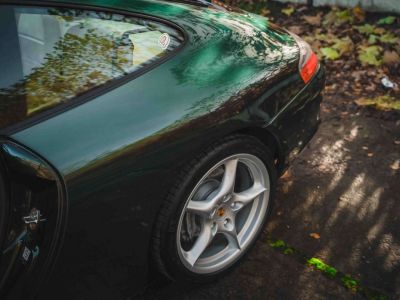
x: 164, y: 246
x: 3, y: 207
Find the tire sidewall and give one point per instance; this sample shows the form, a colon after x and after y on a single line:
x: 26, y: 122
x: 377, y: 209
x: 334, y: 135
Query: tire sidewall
x: 211, y: 157
x: 3, y: 206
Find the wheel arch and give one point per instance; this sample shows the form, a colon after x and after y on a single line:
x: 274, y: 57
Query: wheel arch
x: 270, y: 140
x: 264, y: 135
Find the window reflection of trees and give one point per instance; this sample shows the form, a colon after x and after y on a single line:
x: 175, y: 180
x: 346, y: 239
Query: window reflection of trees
x: 83, y: 58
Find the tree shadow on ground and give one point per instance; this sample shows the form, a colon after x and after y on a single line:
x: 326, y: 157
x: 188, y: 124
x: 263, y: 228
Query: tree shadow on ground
x: 342, y: 187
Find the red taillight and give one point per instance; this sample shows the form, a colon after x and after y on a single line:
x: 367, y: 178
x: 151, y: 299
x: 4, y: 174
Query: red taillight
x: 309, y: 68
x: 308, y: 61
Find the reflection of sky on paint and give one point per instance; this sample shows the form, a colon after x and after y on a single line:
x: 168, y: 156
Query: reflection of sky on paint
x: 235, y: 55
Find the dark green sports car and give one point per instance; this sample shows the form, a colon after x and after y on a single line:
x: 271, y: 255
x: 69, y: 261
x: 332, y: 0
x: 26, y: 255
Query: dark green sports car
x: 141, y: 137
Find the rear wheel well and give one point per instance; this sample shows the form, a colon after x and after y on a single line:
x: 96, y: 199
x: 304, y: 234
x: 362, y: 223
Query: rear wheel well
x: 269, y: 140
x: 165, y: 251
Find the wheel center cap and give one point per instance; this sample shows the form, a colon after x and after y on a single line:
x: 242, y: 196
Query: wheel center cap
x: 221, y: 212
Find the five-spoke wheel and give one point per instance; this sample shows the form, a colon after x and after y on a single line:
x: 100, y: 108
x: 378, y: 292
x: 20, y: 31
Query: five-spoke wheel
x: 216, y: 210
x: 223, y: 213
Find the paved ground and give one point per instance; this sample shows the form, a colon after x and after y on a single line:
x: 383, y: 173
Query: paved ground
x: 345, y: 186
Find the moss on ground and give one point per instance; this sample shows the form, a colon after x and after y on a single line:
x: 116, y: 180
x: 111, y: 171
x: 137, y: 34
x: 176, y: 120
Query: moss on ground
x: 318, y: 264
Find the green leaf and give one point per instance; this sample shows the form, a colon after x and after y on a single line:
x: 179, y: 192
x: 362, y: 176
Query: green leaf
x: 389, y: 38
x: 320, y: 265
x: 366, y: 28
x: 344, y: 16
x: 288, y: 11
x: 288, y: 251
x: 277, y: 244
x: 372, y: 39
x: 343, y: 45
x: 387, y: 21
x: 330, y: 53
x: 326, y: 38
x: 369, y: 55
x: 338, y: 17
x: 350, y: 283
x: 384, y: 102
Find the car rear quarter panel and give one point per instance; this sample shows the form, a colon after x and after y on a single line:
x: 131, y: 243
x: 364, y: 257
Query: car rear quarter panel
x: 119, y: 152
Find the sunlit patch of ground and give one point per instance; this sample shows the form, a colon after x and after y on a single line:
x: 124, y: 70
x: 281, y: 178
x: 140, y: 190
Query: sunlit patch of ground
x: 345, y: 188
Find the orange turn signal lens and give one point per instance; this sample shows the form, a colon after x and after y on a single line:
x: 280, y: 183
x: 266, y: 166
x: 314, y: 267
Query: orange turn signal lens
x: 309, y: 68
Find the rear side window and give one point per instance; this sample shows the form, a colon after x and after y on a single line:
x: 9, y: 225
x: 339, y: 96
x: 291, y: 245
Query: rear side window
x: 50, y: 55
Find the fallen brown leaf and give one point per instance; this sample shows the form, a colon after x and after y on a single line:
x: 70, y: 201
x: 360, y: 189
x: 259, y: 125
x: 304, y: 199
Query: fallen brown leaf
x: 303, y: 8
x: 371, y: 87
x: 359, y: 13
x: 329, y: 18
x: 296, y: 29
x: 315, y: 236
x: 264, y: 12
x: 316, y: 46
x: 390, y: 57
x: 285, y: 187
x: 317, y: 31
x: 313, y: 20
x: 357, y: 75
x: 379, y: 30
x: 396, y: 165
x: 287, y: 175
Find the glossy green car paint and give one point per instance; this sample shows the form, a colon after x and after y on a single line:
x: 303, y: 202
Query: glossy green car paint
x: 119, y: 151
x: 224, y: 55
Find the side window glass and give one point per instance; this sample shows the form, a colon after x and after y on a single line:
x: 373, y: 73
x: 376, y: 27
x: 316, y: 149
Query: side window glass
x: 57, y: 54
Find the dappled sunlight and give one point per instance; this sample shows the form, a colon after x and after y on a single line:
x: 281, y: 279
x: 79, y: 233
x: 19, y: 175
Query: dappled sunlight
x: 346, y: 200
x: 370, y: 206
x: 355, y: 194
x: 331, y: 155
x: 376, y: 229
x: 344, y: 187
x: 390, y: 250
x: 353, y: 133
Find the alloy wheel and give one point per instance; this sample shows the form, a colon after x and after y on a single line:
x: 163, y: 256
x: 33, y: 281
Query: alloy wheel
x: 223, y: 214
